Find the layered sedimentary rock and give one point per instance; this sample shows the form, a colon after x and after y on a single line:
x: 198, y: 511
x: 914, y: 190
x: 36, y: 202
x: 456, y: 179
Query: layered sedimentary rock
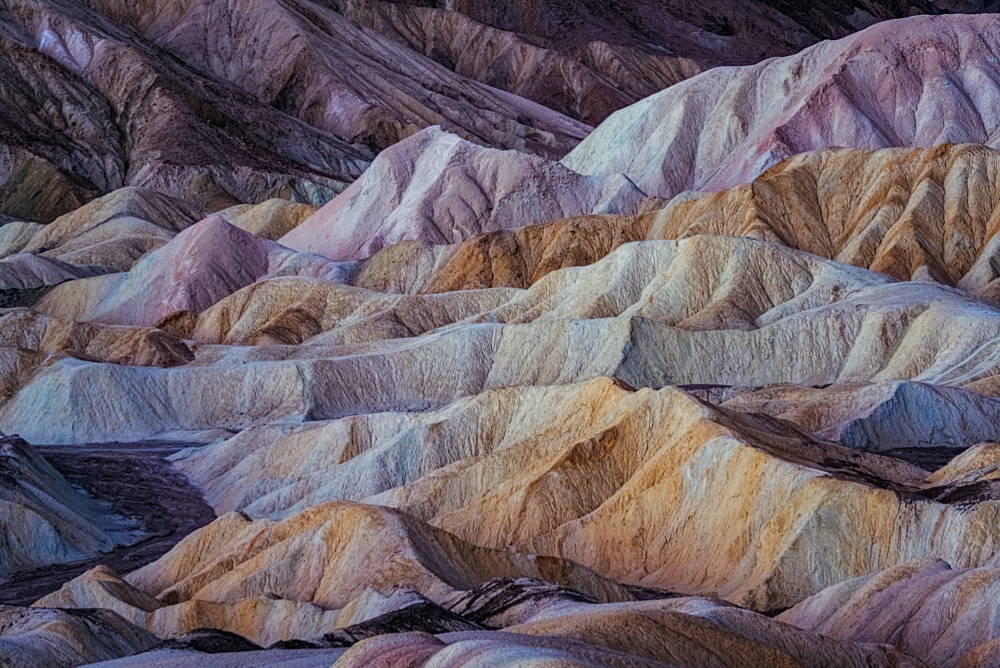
x: 881, y: 417
x: 239, y: 576
x: 504, y: 258
x: 52, y: 159
x: 318, y: 66
x: 108, y: 60
x: 27, y: 330
x: 558, y: 628
x: 912, y: 214
x: 272, y: 219
x: 235, y: 558
x: 588, y: 59
x: 977, y: 464
x: 481, y: 406
x: 25, y: 271
x: 586, y: 80
x: 292, y: 310
x: 16, y: 234
x: 915, y: 214
x: 942, y: 615
x: 928, y: 213
x: 560, y: 622
x: 114, y: 60
x: 720, y: 32
x: 689, y: 632
x: 918, y: 83
x: 438, y: 188
x: 93, y: 107
x: 111, y: 232
x: 510, y: 649
x: 65, y: 638
x: 30, y: 342
x: 200, y: 266
x: 43, y: 520
x: 637, y: 485
x: 651, y: 314
x: 264, y: 619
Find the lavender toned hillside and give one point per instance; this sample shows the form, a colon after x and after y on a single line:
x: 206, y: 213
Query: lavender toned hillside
x: 468, y: 334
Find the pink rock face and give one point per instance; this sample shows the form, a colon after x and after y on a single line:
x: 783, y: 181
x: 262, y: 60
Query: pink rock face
x: 918, y: 83
x: 200, y: 266
x: 204, y: 265
x: 439, y: 188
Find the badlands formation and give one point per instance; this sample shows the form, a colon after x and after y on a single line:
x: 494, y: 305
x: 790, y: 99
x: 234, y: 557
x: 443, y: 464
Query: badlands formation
x: 369, y: 333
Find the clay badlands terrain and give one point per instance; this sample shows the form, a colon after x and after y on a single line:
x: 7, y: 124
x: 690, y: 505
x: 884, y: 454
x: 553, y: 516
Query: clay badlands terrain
x: 552, y: 333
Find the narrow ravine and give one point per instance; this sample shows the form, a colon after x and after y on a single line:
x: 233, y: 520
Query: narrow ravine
x: 140, y: 484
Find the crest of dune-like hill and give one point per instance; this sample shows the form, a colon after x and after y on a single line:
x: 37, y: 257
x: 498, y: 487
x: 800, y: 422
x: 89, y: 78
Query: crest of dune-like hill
x: 203, y: 264
x: 913, y: 83
x: 438, y: 188
x: 915, y: 214
x: 706, y: 310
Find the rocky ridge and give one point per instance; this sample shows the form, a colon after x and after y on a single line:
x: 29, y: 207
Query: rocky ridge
x: 706, y: 392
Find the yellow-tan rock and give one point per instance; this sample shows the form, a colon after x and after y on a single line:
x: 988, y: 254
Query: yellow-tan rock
x: 640, y: 486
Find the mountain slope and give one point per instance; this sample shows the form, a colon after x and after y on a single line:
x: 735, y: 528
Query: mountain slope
x: 915, y: 83
x: 651, y: 313
x: 150, y: 121
x: 914, y: 214
x: 715, y: 31
x: 316, y: 65
x: 437, y: 187
x: 458, y: 403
